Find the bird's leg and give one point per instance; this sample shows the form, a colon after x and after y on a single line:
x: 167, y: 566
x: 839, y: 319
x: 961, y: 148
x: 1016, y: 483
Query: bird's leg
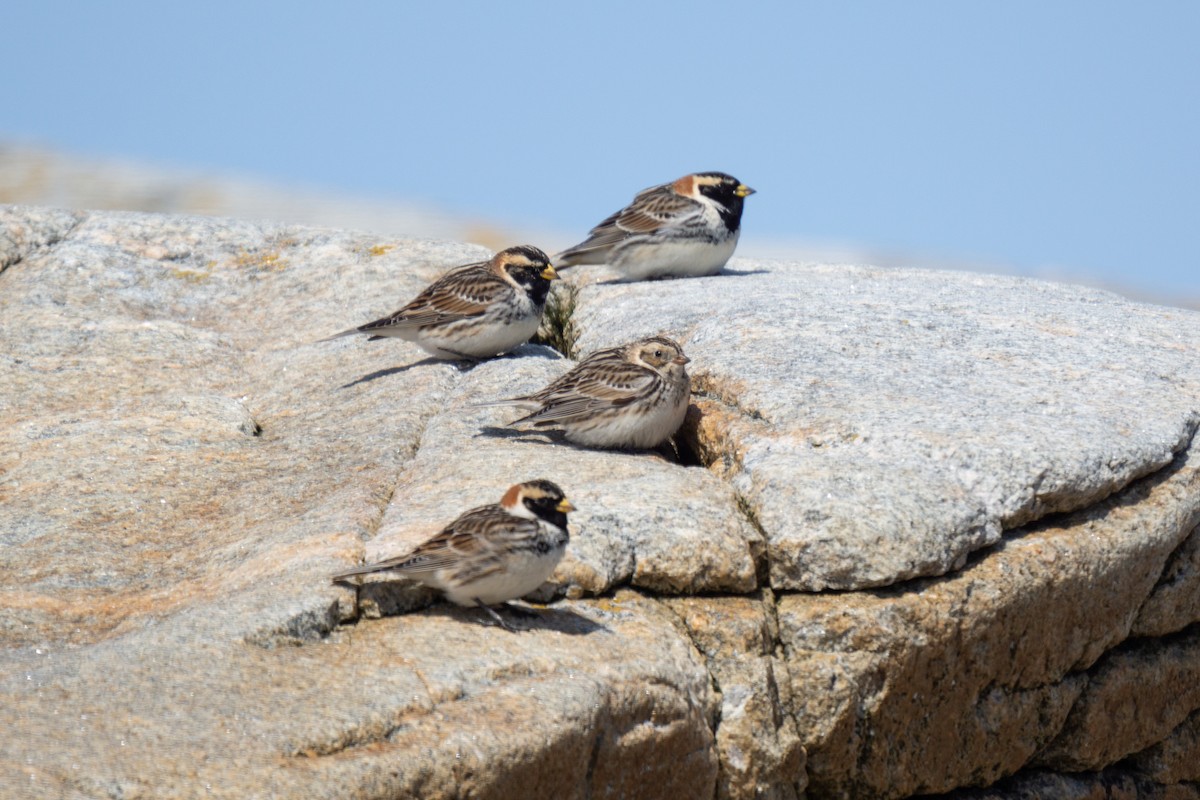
x: 499, y: 620
x: 518, y: 611
x: 472, y: 360
x: 668, y: 451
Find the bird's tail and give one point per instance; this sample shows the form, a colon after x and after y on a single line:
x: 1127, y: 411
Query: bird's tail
x: 576, y: 256
x: 519, y: 402
x: 349, y: 332
x: 366, y: 569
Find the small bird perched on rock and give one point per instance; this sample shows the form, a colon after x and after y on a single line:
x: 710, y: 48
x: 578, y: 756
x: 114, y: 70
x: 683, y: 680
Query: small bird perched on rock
x: 474, y: 311
x: 688, y: 227
x: 490, y: 554
x: 631, y: 396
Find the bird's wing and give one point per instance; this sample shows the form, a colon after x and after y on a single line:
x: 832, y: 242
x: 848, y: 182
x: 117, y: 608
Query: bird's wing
x: 597, y: 384
x: 655, y: 208
x: 466, y: 539
x: 650, y: 211
x: 459, y: 294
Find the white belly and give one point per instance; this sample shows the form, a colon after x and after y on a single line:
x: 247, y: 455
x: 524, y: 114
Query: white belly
x: 476, y: 340
x: 649, y: 430
x: 682, y: 258
x: 522, y: 574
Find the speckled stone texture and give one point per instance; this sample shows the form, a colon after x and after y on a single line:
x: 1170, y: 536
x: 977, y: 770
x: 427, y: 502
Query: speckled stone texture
x: 925, y: 411
x: 932, y: 533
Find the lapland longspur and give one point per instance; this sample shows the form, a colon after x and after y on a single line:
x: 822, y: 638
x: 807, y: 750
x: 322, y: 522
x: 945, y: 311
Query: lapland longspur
x: 631, y: 396
x: 688, y: 227
x: 473, y: 311
x: 493, y: 553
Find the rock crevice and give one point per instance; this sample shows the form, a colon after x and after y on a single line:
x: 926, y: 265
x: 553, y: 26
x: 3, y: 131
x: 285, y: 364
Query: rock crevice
x: 923, y: 533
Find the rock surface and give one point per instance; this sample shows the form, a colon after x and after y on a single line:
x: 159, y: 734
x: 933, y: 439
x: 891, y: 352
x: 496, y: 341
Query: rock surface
x: 942, y: 536
x: 927, y: 411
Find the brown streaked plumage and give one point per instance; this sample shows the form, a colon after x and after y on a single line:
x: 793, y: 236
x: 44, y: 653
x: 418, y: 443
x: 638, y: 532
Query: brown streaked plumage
x: 473, y: 311
x: 685, y: 186
x: 631, y: 396
x: 490, y: 554
x: 689, y: 227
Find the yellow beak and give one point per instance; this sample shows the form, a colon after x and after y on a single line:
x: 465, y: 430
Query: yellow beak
x: 743, y: 190
x: 565, y: 506
x: 549, y: 274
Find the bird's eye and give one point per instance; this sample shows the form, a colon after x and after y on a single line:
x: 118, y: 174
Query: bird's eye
x: 658, y: 354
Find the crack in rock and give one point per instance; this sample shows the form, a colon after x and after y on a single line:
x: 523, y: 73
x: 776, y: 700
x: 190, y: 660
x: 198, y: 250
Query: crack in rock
x: 968, y: 666
x: 895, y: 419
x: 641, y: 520
x: 46, y: 229
x: 890, y: 391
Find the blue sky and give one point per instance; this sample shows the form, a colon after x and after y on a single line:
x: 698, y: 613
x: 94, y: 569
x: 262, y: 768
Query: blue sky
x: 1045, y: 137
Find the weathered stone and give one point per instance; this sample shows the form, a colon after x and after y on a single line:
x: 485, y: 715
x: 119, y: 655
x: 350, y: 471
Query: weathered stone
x: 182, y: 468
x: 1175, y: 602
x: 1107, y: 785
x: 161, y: 447
x: 760, y: 753
x: 641, y: 519
x: 1176, y: 758
x: 589, y: 701
x: 961, y: 680
x: 926, y: 411
x: 1134, y: 698
x: 35, y: 228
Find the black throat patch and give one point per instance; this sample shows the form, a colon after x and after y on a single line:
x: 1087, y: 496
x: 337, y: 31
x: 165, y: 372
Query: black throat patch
x: 729, y: 205
x: 531, y: 279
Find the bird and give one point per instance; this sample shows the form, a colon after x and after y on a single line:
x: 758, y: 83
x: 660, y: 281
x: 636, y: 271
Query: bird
x: 632, y: 396
x: 688, y: 227
x: 490, y: 554
x: 474, y: 311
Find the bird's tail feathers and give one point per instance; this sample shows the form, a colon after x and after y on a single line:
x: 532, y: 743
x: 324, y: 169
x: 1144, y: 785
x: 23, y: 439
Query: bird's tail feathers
x: 577, y: 256
x: 349, y: 332
x: 519, y: 402
x: 366, y: 569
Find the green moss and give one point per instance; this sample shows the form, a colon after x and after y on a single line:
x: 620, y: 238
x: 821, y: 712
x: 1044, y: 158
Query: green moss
x: 270, y: 261
x: 558, y: 328
x: 190, y: 275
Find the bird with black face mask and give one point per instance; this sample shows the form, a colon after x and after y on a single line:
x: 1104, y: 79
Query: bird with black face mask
x: 490, y: 554
x: 474, y: 311
x: 686, y: 228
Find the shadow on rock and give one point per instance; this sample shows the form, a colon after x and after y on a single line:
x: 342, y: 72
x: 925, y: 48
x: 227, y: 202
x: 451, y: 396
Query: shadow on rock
x: 738, y: 273
x: 465, y: 365
x: 554, y: 438
x: 724, y: 273
x: 395, y: 598
x: 536, y: 437
x: 386, y: 598
x: 462, y: 366
x: 522, y: 618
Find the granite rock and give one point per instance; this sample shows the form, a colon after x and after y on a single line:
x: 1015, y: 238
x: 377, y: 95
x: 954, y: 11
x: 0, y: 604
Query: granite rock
x: 1111, y: 784
x: 1145, y: 690
x: 926, y: 411
x: 640, y: 518
x: 1176, y: 758
x: 923, y: 532
x: 760, y: 753
x: 585, y: 702
x: 1175, y: 602
x: 962, y: 680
